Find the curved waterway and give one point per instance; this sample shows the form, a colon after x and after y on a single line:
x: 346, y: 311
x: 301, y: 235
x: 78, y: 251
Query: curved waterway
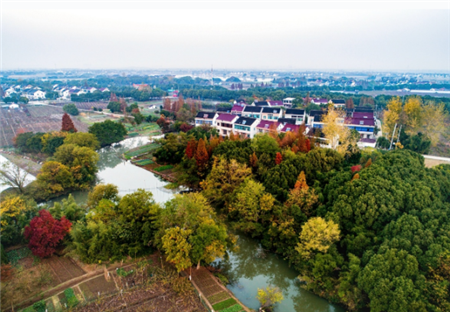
x: 248, y: 268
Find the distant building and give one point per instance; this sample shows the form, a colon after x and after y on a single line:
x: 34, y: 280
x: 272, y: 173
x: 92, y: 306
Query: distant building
x: 224, y: 123
x: 142, y: 87
x: 205, y: 118
x: 271, y: 113
x: 288, y: 102
x: 245, y: 126
x: 297, y: 114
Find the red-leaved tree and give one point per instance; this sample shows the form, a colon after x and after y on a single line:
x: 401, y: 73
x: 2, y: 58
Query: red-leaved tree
x: 278, y: 158
x: 201, y: 156
x: 356, y: 168
x: 45, y: 233
x: 67, y: 124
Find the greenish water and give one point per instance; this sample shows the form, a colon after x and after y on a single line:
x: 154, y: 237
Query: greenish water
x: 250, y: 268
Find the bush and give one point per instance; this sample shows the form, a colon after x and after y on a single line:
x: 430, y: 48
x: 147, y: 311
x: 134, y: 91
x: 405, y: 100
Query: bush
x: 224, y: 304
x: 39, y: 306
x: 71, y: 109
x: 72, y: 300
x: 123, y: 273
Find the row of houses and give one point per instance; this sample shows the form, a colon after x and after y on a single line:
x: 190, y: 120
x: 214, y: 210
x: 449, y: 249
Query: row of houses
x: 251, y: 120
x: 65, y: 93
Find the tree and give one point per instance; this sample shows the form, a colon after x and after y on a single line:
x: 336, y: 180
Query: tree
x: 349, y: 103
x: 201, y: 156
x: 67, y: 124
x: 269, y: 296
x: 71, y: 109
x: 13, y: 176
x: 317, y: 236
x: 301, y: 197
x: 114, y: 107
x: 278, y: 158
x: 15, y: 212
x: 225, y: 177
x: 69, y: 209
x: 392, y: 116
x: 45, y: 233
x: 82, y: 139
x: 102, y: 191
x: 54, y: 178
x: 189, y: 231
x: 82, y: 162
x: 108, y: 132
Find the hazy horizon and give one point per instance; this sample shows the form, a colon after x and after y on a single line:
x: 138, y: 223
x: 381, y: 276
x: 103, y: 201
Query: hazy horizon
x: 104, y: 36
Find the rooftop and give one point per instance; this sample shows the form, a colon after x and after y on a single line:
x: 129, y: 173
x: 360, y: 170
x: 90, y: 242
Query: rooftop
x: 226, y: 117
x: 295, y: 111
x: 252, y: 109
x: 205, y: 115
x: 271, y: 110
x: 247, y: 121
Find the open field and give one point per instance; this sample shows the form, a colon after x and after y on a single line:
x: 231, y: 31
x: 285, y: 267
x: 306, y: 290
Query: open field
x: 32, y: 119
x: 84, y: 105
x: 429, y: 163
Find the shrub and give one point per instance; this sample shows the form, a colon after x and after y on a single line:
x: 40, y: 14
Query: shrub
x: 123, y: 273
x: 224, y: 304
x: 72, y: 300
x: 39, y: 306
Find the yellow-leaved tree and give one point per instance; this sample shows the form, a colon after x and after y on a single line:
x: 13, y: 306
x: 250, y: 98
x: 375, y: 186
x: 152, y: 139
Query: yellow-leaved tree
x: 317, y: 236
x: 433, y: 121
x: 392, y: 116
x: 413, y: 114
x: 339, y: 136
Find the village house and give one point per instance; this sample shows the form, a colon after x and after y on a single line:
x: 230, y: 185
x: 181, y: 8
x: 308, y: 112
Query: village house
x: 265, y: 126
x: 237, y: 109
x: 319, y: 101
x: 338, y: 103
x: 290, y: 127
x: 252, y: 112
x: 205, y: 118
x: 315, y: 118
x: 297, y: 114
x: 224, y: 123
x: 245, y: 126
x: 287, y: 102
x: 271, y: 113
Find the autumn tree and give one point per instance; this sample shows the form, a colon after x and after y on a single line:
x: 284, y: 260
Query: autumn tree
x: 15, y: 213
x: 278, y: 158
x: 225, y: 177
x: 67, y: 124
x: 201, y: 156
x: 392, y: 116
x: 253, y: 160
x: 301, y: 197
x: 349, y: 103
x: 269, y: 296
x: 45, y: 233
x: 317, y: 236
x: 189, y: 232
x: 191, y: 148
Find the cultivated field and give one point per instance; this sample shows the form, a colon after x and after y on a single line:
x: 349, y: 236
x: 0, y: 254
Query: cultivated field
x: 32, y: 119
x: 83, y: 105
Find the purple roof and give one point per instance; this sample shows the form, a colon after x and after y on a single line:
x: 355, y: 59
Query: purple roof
x: 226, y: 117
x: 238, y: 108
x: 363, y: 115
x: 265, y: 124
x: 360, y: 121
x: 276, y: 103
x: 320, y: 100
x: 367, y: 140
x: 290, y: 127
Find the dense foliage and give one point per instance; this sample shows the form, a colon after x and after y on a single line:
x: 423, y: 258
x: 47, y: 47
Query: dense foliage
x: 108, y: 132
x: 71, y: 109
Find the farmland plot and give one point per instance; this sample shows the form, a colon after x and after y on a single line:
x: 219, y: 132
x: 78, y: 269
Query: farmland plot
x: 32, y: 119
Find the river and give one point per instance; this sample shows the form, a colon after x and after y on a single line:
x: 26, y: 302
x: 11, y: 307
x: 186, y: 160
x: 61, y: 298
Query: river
x: 245, y: 267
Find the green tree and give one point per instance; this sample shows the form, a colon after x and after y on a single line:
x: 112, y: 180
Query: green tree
x: 108, y: 132
x: 71, y: 109
x: 82, y: 139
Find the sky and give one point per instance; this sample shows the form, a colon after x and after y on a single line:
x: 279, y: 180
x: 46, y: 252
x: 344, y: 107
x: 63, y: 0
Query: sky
x: 283, y: 35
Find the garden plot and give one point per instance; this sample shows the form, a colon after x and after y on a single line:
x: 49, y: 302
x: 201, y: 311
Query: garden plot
x: 32, y: 119
x: 64, y: 269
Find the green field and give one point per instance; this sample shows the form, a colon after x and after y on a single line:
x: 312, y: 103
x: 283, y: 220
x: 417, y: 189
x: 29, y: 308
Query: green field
x: 141, y: 150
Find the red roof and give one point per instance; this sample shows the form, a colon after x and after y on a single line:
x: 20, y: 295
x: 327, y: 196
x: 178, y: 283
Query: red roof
x: 363, y: 115
x: 360, y: 121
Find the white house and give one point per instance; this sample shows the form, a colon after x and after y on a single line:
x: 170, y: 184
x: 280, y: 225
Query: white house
x: 287, y: 102
x: 297, y: 114
x: 92, y: 90
x: 205, y: 118
x: 39, y: 95
x: 224, y: 123
x: 245, y: 126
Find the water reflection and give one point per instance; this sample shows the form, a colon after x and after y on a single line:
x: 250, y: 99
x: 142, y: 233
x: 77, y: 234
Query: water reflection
x: 250, y: 268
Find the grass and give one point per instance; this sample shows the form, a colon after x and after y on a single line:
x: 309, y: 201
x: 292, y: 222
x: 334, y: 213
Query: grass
x: 224, y: 304
x: 218, y: 297
x: 234, y: 308
x: 144, y: 162
x: 141, y: 150
x: 162, y: 168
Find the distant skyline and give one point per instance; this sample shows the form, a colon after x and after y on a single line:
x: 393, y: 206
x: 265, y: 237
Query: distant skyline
x: 103, y: 35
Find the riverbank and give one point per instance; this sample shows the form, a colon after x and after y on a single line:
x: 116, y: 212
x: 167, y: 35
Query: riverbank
x: 23, y: 162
